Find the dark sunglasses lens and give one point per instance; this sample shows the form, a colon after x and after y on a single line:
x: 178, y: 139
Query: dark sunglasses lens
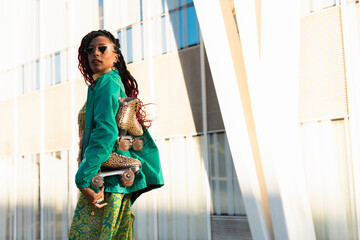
x: 89, y: 50
x: 102, y: 49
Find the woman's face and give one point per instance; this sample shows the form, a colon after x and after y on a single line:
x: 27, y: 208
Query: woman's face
x: 100, y: 59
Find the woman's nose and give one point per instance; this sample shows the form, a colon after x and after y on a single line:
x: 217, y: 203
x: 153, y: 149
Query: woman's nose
x: 96, y: 52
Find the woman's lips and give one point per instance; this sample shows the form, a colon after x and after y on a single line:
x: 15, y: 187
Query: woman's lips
x: 96, y: 62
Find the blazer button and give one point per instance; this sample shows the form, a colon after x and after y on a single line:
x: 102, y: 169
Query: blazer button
x: 88, y: 127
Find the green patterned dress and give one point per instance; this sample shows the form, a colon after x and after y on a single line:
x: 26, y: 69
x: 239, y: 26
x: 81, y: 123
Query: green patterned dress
x: 109, y: 222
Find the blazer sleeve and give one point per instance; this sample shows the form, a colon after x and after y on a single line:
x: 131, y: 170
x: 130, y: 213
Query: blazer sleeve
x: 104, y: 133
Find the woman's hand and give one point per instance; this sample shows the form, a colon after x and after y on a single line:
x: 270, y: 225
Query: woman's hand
x: 93, y: 197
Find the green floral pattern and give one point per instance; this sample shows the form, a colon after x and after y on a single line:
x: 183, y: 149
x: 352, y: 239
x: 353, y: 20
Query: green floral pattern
x: 114, y: 221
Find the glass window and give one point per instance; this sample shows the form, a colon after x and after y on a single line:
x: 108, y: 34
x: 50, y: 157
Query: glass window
x: 192, y: 26
x: 51, y: 71
x: 37, y: 75
x: 175, y: 34
x: 101, y: 14
x: 225, y: 190
x: 181, y: 45
x: 172, y: 4
x: 163, y: 6
x: 163, y: 34
x: 129, y: 47
x: 141, y: 10
x: 57, y: 68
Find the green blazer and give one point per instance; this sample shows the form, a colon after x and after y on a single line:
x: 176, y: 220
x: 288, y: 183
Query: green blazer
x: 101, y: 133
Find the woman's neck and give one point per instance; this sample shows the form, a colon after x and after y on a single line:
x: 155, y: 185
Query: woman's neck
x: 99, y: 74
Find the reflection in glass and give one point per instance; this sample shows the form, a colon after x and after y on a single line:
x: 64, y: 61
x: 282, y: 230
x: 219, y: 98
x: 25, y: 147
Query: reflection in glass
x: 225, y: 190
x: 57, y: 68
x: 37, y: 75
x: 192, y: 26
x: 129, y: 46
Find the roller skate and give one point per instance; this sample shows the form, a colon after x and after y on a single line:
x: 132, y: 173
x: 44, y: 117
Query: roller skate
x: 130, y: 130
x: 125, y: 167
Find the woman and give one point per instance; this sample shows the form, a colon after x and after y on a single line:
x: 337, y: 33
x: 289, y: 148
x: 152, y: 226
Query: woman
x: 106, y: 214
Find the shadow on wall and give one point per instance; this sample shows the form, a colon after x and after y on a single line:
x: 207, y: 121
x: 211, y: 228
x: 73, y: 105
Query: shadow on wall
x: 186, y: 37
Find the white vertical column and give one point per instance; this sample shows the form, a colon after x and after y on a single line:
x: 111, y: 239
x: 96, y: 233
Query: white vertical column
x: 352, y: 61
x: 275, y: 101
x: 205, y: 154
x: 72, y: 162
x: 16, y: 25
x: 223, y: 48
x: 43, y: 76
x: 149, y: 30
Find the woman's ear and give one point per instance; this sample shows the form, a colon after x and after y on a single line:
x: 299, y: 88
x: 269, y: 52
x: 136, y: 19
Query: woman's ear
x: 116, y: 58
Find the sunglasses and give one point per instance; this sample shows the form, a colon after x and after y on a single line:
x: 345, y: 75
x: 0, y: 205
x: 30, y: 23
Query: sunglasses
x: 101, y: 49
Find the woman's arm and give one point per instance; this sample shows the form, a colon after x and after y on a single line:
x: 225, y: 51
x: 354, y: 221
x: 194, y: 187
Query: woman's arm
x: 104, y: 133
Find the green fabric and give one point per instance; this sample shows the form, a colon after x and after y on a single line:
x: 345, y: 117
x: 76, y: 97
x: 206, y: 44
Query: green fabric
x: 101, y: 134
x: 114, y: 221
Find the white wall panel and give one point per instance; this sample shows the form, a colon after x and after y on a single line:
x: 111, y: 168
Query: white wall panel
x: 136, y: 42
x: 7, y: 82
x: 146, y: 32
x: 83, y: 18
x: 134, y: 10
x: 53, y: 28
x: 28, y: 74
x: 177, y: 210
x: 6, y: 199
x: 73, y: 69
x: 27, y: 195
x: 63, y: 65
x: 119, y: 14
x: 156, y: 7
x: 323, y: 91
x: 28, y: 31
x: 146, y: 4
x: 114, y: 14
x: 9, y: 12
x: 48, y: 72
x: 54, y: 195
x: 20, y: 25
x: 329, y: 179
x: 156, y: 34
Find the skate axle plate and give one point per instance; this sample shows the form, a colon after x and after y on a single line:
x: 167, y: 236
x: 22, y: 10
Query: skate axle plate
x: 118, y: 172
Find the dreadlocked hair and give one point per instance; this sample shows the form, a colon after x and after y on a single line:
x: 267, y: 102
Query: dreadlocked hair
x: 130, y: 84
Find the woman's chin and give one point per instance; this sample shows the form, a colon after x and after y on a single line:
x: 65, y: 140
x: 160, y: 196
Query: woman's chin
x: 97, y: 69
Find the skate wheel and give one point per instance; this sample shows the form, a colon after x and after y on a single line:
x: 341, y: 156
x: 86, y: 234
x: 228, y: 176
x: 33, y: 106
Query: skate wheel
x: 138, y: 144
x: 124, y: 144
x: 97, y: 181
x: 127, y: 179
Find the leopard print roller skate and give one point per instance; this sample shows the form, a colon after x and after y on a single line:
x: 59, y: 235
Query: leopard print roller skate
x: 130, y: 130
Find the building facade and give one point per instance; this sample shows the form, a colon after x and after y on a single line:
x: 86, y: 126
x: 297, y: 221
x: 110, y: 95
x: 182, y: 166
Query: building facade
x: 255, y: 116
x: 161, y: 44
